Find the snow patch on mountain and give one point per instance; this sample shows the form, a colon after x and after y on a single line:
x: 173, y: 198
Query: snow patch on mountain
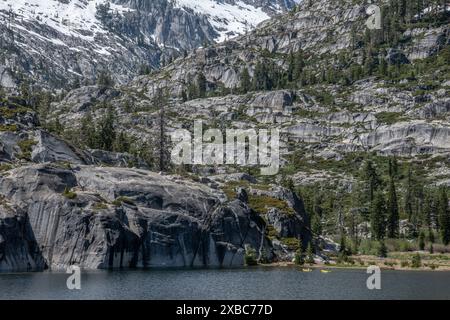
x: 70, y: 19
x: 228, y: 19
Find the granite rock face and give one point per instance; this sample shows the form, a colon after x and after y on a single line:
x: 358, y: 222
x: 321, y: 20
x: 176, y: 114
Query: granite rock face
x: 116, y: 217
x: 19, y: 250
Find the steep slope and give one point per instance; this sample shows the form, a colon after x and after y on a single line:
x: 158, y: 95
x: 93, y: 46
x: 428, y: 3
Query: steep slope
x: 61, y: 205
x: 331, y: 108
x: 62, y: 43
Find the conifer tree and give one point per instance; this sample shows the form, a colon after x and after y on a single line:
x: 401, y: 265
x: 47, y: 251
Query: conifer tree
x: 161, y: 142
x: 393, y: 212
x: 444, y: 216
x: 378, y: 221
x: 201, y: 85
x: 106, y: 134
x: 382, y: 250
x: 88, y: 132
x: 310, y: 254
x: 245, y: 81
x: 298, y: 258
x: 373, y: 180
x: 409, y: 195
x: 422, y: 240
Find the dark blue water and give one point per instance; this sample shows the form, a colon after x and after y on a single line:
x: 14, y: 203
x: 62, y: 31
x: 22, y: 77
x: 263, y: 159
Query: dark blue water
x: 240, y: 284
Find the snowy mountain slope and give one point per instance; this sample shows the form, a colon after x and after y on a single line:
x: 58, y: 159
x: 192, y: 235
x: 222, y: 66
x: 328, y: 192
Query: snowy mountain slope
x: 228, y: 19
x: 75, y: 19
x: 65, y: 17
x: 59, y: 43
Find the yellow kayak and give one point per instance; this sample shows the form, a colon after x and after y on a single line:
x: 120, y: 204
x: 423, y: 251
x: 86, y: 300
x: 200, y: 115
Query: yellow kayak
x: 325, y: 271
x: 307, y: 270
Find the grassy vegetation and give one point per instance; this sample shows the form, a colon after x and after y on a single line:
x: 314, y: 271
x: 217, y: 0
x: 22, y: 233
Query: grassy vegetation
x: 262, y: 204
x: 271, y: 232
x: 120, y: 200
x: 291, y: 243
x: 389, y: 117
x: 69, y: 194
x: 26, y: 147
x: 8, y: 127
x: 250, y: 257
x: 5, y: 167
x: 10, y: 113
x: 100, y: 206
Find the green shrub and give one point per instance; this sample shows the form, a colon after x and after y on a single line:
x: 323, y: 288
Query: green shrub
x: 389, y: 263
x: 291, y: 243
x: 100, y: 206
x: 10, y: 113
x: 272, y: 233
x: 404, y: 264
x: 416, y: 261
x: 422, y: 241
x: 26, y: 147
x: 399, y: 245
x: 250, y: 257
x: 298, y: 258
x: 368, y: 247
x: 382, y: 250
x: 118, y: 202
x: 389, y: 117
x: 5, y: 167
x: 69, y: 194
x: 310, y: 254
x: 8, y: 127
x: 262, y: 204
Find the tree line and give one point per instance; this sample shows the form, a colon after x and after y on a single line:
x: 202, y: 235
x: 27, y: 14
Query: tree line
x: 393, y: 202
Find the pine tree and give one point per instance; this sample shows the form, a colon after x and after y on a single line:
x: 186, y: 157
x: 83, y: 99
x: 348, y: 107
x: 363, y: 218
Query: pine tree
x: 409, y: 195
x: 192, y: 91
x: 393, y: 212
x: 104, y: 80
x: 342, y: 246
x: 431, y: 238
x: 422, y: 240
x: 88, y: 132
x: 444, y: 216
x: 106, y: 133
x: 310, y: 254
x: 201, y: 85
x: 161, y: 142
x: 378, y: 221
x: 382, y: 250
x: 383, y: 67
x: 122, y: 143
x: 245, y: 81
x: 299, y: 64
x: 373, y: 180
x: 261, y: 79
x: 316, y: 225
x: 291, y: 67
x: 298, y: 258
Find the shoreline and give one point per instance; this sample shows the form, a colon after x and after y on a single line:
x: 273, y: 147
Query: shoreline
x: 389, y: 263
x: 396, y: 261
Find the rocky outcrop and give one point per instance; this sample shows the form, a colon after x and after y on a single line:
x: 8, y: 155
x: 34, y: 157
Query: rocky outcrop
x: 114, y: 217
x: 19, y: 250
x: 288, y: 224
x: 48, y: 148
x: 409, y: 138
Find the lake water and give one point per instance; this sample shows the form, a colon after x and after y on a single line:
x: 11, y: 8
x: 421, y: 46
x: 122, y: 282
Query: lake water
x: 239, y: 284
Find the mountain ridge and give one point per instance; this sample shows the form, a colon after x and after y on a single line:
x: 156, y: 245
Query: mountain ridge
x: 64, y: 43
